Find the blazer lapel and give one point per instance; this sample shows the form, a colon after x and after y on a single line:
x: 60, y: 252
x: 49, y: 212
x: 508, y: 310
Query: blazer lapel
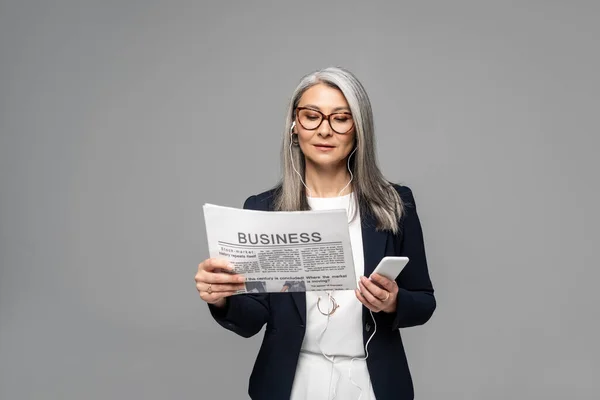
x: 373, y: 243
x: 300, y: 301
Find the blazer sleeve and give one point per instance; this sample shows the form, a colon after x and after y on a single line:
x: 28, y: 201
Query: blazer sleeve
x: 244, y: 314
x: 416, y: 300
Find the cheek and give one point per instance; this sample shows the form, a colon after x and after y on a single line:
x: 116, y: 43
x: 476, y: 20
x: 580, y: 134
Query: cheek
x: 349, y: 142
x: 304, y: 136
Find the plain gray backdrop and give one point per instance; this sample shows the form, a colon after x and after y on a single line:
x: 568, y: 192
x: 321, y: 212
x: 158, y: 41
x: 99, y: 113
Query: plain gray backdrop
x: 120, y: 119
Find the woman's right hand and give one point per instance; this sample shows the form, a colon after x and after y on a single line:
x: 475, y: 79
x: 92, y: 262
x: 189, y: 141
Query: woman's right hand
x: 213, y: 285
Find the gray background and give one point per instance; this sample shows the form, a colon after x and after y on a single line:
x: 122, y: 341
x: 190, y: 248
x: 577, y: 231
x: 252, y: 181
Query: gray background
x: 119, y: 120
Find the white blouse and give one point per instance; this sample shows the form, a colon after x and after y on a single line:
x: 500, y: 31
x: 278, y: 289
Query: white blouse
x: 320, y: 377
x: 344, y: 332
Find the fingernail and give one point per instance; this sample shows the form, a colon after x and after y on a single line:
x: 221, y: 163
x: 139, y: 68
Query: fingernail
x: 240, y: 279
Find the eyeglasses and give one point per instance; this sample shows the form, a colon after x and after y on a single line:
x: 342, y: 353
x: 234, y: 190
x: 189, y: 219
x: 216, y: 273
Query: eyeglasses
x: 310, y: 119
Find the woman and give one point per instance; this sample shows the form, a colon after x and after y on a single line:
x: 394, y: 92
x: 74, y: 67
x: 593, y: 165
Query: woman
x: 340, y: 344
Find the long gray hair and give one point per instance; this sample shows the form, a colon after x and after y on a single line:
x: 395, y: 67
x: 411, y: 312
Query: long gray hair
x: 374, y: 193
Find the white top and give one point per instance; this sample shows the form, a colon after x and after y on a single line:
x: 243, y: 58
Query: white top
x: 335, y: 376
x: 343, y: 336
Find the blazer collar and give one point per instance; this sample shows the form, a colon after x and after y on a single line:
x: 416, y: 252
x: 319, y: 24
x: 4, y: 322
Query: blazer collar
x: 373, y: 251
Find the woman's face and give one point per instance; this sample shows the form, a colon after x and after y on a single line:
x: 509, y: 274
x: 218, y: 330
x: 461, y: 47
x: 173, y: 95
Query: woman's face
x: 323, y: 146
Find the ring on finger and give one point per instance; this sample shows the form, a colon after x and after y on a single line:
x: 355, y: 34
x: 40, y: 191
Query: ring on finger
x: 386, y: 297
x: 209, y: 291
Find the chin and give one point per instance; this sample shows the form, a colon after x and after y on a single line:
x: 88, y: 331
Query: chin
x: 324, y: 160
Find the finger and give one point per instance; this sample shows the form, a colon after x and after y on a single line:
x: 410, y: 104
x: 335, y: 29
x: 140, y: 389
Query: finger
x: 370, y: 297
x: 375, y: 290
x: 214, y: 297
x: 223, y: 287
x: 384, y: 282
x: 213, y: 264
x: 369, y: 304
x: 360, y: 298
x: 222, y: 277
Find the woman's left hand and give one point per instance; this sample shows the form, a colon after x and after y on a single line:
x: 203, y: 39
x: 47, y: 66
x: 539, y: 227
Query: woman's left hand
x: 378, y: 293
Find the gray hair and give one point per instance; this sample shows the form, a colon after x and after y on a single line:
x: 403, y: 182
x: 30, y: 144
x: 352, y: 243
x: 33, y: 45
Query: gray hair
x: 373, y: 192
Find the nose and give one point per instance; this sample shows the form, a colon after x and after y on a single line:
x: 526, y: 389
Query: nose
x: 324, y: 129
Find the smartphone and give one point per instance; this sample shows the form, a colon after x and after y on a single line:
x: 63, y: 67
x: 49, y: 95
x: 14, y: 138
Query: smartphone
x: 390, y: 267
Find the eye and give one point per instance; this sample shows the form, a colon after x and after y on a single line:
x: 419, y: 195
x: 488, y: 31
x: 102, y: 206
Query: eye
x: 342, y: 118
x: 311, y: 115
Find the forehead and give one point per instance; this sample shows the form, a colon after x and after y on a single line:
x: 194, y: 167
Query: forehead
x: 324, y: 97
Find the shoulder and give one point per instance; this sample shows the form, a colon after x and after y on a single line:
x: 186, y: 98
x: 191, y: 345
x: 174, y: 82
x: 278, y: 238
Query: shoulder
x: 405, y: 194
x: 261, y: 201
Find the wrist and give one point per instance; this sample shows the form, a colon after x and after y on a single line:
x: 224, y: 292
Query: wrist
x: 391, y: 308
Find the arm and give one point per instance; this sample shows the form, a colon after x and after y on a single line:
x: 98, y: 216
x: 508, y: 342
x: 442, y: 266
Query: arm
x: 415, y: 300
x: 244, y: 314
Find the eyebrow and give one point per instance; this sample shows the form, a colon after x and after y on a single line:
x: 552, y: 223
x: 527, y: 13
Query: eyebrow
x: 319, y: 109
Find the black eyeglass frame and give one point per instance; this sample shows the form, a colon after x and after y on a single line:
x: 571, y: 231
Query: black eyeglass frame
x: 325, y: 117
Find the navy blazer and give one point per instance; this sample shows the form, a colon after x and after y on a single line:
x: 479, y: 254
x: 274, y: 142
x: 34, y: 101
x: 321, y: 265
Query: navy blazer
x: 285, y: 313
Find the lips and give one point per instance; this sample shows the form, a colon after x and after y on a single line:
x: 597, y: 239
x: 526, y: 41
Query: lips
x: 324, y: 146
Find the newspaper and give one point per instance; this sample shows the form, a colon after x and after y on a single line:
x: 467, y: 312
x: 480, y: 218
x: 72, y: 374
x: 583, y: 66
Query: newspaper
x: 280, y: 251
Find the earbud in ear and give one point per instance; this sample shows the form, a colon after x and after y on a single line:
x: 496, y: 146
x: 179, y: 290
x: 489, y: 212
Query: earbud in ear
x: 293, y: 124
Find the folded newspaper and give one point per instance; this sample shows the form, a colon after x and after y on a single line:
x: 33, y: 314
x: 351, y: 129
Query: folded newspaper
x: 281, y: 251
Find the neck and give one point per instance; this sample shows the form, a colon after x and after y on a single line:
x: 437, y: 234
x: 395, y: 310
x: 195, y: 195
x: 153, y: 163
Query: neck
x: 327, y: 182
